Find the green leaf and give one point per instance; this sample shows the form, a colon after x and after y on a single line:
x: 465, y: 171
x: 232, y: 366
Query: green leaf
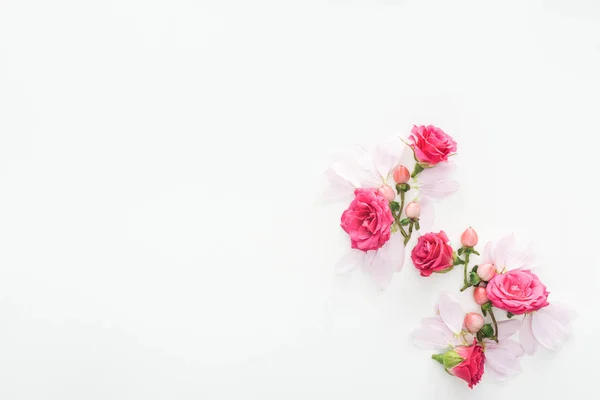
x: 460, y: 251
x: 484, y: 311
x: 509, y: 314
x: 487, y: 306
x: 394, y: 206
x: 446, y: 270
x: 405, y: 221
x: 417, y: 226
x: 474, y: 269
x: 487, y: 330
x: 475, y: 251
x: 474, y: 278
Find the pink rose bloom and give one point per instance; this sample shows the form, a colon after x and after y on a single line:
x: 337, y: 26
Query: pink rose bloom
x: 517, y: 291
x: 431, y: 145
x: 471, y: 368
x: 432, y: 253
x: 368, y: 220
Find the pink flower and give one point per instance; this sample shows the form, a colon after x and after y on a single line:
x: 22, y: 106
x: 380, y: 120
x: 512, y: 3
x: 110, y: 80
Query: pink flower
x: 368, y: 220
x: 432, y: 253
x: 517, y: 291
x: 465, y: 362
x: 431, y: 145
x: 549, y: 327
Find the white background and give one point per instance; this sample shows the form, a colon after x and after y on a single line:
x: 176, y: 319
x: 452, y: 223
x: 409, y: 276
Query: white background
x: 161, y: 233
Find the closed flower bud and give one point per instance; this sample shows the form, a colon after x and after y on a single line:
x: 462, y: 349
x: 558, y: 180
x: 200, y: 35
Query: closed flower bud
x: 480, y: 296
x: 469, y: 238
x: 486, y: 272
x: 387, y: 192
x: 401, y: 174
x: 474, y: 322
x: 413, y: 210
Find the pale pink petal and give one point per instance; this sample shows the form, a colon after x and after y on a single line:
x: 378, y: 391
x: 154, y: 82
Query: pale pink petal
x: 501, y: 250
x: 502, y: 360
x: 508, y: 328
x: 551, y: 327
x: 429, y: 339
x: 349, y: 261
x: 526, y: 337
x: 427, y: 215
x: 487, y: 253
x: 356, y: 166
x: 382, y: 263
x: 386, y: 155
x: 339, y: 188
x: 451, y: 312
x: 435, y: 183
x: 494, y: 374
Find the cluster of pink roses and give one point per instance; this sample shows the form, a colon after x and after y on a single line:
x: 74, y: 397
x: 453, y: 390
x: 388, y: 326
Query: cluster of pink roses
x: 503, y: 281
x: 389, y: 204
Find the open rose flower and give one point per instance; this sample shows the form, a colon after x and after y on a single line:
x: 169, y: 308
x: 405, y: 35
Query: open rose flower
x: 368, y: 220
x: 517, y: 291
x: 432, y: 253
x: 431, y: 144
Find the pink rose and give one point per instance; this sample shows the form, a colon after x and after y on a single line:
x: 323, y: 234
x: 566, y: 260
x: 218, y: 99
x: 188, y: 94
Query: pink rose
x: 471, y: 368
x: 368, y: 220
x: 432, y: 253
x: 517, y: 291
x: 431, y: 145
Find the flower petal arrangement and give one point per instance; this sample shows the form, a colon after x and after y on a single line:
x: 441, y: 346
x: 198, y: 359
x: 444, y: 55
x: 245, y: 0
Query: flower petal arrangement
x: 389, y: 204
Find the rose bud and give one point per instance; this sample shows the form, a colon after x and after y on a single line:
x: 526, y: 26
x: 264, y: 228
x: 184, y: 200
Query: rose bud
x: 480, y: 296
x: 474, y: 322
x: 464, y: 362
x: 486, y: 272
x: 401, y: 174
x: 387, y: 192
x: 469, y: 238
x: 413, y: 210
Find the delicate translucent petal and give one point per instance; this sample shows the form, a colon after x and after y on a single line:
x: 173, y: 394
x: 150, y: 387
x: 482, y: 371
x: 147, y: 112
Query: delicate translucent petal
x: 356, y: 166
x: 451, y: 312
x: 550, y: 327
x: 339, y: 189
x: 435, y: 183
x: 502, y: 360
x: 508, y: 328
x: 429, y: 339
x: 562, y: 311
x: 526, y: 337
x: 427, y: 215
x: 487, y: 253
x: 383, y: 262
x: 386, y: 155
x: 349, y: 261
x: 501, y: 250
x: 492, y: 372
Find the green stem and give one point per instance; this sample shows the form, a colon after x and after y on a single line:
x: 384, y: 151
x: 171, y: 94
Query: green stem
x: 495, y: 325
x: 410, y: 228
x: 418, y: 169
x: 399, y: 217
x: 465, y: 275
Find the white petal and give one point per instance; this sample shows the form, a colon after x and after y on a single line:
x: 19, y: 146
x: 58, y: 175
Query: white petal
x: 356, y: 166
x: 508, y: 328
x: 487, y: 253
x: 435, y: 183
x: 386, y: 155
x: 451, y: 312
x: 496, y: 375
x: 427, y: 215
x: 429, y: 339
x: 502, y: 360
x: 349, y: 261
x: 383, y: 262
x: 526, y: 337
x: 550, y: 327
x: 339, y: 189
x: 501, y: 250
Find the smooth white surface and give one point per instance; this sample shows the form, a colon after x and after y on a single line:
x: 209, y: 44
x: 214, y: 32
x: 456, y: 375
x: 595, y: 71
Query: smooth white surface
x: 161, y: 235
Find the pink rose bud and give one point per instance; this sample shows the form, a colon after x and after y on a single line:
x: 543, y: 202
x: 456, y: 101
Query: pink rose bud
x: 413, y: 210
x: 401, y: 174
x: 480, y: 296
x: 469, y: 238
x: 387, y: 192
x: 486, y: 272
x: 474, y: 322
